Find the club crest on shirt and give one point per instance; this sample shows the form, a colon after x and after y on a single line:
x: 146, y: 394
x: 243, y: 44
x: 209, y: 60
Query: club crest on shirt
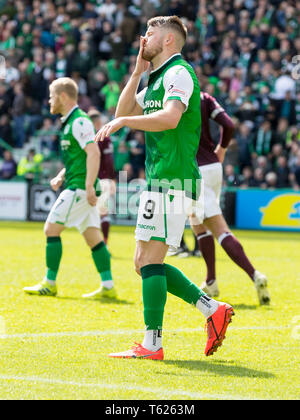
x: 157, y: 83
x: 65, y: 144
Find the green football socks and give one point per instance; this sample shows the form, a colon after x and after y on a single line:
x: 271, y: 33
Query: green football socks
x: 53, y: 256
x: 101, y: 258
x: 180, y: 286
x: 158, y: 279
x: 154, y: 295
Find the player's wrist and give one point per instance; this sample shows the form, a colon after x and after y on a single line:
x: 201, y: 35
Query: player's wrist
x: 124, y: 121
x: 137, y: 73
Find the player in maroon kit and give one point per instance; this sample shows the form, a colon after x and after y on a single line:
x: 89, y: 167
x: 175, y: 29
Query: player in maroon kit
x: 106, y: 175
x: 108, y: 188
x: 210, y: 159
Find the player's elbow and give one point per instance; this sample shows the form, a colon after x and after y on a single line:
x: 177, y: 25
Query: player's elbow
x: 171, y: 122
x: 172, y: 115
x: 119, y: 114
x: 173, y: 125
x: 229, y: 131
x: 228, y: 125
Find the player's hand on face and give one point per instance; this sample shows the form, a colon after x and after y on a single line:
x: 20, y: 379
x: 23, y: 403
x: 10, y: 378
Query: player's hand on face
x: 56, y: 183
x: 91, y: 196
x: 109, y: 128
x: 141, y: 65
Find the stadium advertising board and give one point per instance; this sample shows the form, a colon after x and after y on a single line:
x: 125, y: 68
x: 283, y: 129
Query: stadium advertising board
x: 42, y: 198
x: 268, y: 210
x: 13, y: 200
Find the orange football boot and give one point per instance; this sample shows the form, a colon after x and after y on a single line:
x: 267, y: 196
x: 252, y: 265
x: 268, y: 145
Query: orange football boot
x: 139, y: 352
x: 216, y: 326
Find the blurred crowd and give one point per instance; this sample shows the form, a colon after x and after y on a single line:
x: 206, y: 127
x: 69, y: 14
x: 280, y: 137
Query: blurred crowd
x: 246, y: 53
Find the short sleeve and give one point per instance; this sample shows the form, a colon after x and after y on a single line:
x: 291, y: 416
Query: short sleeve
x: 83, y: 131
x: 140, y: 97
x: 178, y: 84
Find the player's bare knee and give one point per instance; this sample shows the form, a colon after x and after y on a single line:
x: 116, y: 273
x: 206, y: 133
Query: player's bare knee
x: 92, y: 237
x: 140, y: 260
x: 198, y: 229
x: 136, y: 265
x: 52, y: 229
x: 48, y: 231
x: 90, y: 243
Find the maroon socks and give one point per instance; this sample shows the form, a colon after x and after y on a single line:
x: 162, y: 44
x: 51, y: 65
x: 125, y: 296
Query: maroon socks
x: 206, y: 244
x: 231, y: 246
x: 105, y: 224
x: 236, y: 252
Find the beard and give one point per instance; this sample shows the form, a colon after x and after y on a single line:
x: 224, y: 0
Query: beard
x: 149, y: 54
x: 55, y: 108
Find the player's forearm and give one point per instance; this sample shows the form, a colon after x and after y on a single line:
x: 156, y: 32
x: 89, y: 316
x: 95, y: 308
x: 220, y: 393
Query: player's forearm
x: 92, y: 166
x: 155, y: 122
x: 227, y: 129
x: 127, y: 101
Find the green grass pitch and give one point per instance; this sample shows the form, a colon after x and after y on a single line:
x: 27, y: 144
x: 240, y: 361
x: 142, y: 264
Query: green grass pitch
x: 56, y: 348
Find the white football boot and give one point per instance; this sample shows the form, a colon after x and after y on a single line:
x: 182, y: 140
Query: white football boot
x: 260, y: 282
x: 211, y: 290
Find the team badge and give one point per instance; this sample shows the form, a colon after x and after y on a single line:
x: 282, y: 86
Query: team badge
x: 65, y: 144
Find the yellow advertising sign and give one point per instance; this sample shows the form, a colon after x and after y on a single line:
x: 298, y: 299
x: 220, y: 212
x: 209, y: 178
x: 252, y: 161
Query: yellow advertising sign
x: 282, y: 211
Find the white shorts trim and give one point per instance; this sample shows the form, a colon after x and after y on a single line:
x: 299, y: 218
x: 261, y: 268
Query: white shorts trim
x: 72, y: 209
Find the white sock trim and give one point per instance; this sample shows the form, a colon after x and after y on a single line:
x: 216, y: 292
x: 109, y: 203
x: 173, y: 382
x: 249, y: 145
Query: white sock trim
x: 51, y: 282
x: 223, y: 236
x: 152, y: 340
x: 204, y: 235
x: 108, y: 284
x: 207, y: 306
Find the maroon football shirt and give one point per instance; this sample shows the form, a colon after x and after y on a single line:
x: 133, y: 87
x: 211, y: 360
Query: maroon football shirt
x: 107, y: 167
x: 211, y: 109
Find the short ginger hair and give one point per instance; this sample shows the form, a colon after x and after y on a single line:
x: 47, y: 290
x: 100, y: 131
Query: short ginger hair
x: 66, y: 85
x: 169, y: 22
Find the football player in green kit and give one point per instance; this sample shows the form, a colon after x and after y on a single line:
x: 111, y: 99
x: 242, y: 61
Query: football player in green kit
x: 168, y: 110
x: 76, y: 205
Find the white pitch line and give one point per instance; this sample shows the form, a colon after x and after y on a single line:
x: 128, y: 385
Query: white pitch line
x: 96, y: 333
x: 161, y: 392
x: 72, y: 334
